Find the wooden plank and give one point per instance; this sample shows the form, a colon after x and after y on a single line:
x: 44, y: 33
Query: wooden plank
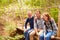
x: 58, y: 33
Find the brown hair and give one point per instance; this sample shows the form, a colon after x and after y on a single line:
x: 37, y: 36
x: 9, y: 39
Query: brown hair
x: 47, y: 15
x: 38, y: 11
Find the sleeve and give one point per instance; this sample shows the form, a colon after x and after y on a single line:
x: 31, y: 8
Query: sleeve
x: 43, y: 24
x: 26, y: 23
x: 35, y: 24
x: 54, y: 27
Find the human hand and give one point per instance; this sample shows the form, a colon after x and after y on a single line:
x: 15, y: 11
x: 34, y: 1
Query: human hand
x: 52, y: 36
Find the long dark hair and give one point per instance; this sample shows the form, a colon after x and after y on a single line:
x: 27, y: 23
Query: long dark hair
x: 49, y: 19
x: 48, y: 16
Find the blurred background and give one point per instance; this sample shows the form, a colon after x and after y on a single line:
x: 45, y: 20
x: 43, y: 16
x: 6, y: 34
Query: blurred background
x: 13, y: 14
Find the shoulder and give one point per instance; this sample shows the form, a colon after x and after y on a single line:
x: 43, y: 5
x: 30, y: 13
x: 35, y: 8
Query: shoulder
x: 32, y: 17
x: 52, y: 19
x: 35, y: 18
x: 42, y: 20
x: 27, y: 19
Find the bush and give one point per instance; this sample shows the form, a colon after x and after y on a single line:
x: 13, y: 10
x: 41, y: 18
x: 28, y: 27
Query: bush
x: 54, y: 13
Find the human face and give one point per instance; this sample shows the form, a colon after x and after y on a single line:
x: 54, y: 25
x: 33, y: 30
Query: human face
x: 38, y: 14
x: 45, y: 17
x: 29, y: 14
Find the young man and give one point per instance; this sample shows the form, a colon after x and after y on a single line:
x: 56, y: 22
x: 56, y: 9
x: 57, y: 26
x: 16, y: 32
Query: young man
x: 29, y: 20
x: 38, y: 25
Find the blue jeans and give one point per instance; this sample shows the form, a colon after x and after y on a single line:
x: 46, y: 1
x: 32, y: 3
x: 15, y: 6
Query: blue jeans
x: 26, y: 34
x: 47, y: 36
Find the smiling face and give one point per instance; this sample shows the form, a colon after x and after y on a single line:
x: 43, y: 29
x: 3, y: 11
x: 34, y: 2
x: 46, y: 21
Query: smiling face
x: 46, y: 16
x: 38, y: 14
x: 29, y: 14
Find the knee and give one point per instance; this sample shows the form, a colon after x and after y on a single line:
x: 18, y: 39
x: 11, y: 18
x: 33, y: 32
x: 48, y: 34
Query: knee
x: 47, y: 36
x: 41, y: 36
x: 25, y: 32
x: 31, y: 34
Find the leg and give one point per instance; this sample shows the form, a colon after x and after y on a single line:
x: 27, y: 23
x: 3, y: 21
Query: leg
x: 26, y: 34
x: 48, y: 35
x: 41, y: 36
x: 40, y: 33
x: 32, y: 34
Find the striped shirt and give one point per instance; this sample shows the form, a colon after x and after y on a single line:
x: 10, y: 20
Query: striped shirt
x: 39, y: 23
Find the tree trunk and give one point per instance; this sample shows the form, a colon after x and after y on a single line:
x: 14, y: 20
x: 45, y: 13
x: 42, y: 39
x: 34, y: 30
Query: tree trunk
x: 58, y: 33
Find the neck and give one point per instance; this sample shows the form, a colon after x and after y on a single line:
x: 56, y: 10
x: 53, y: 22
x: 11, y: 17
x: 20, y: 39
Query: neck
x: 46, y: 20
x: 39, y: 18
x: 30, y: 17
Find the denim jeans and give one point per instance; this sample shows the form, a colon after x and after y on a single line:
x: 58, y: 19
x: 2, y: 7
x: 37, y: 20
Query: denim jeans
x: 26, y: 34
x: 47, y: 36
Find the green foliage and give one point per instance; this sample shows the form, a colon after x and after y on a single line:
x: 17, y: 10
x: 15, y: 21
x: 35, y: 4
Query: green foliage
x: 3, y: 1
x: 1, y: 38
x: 14, y: 10
x: 1, y: 11
x: 41, y: 3
x: 54, y: 13
x: 10, y: 27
